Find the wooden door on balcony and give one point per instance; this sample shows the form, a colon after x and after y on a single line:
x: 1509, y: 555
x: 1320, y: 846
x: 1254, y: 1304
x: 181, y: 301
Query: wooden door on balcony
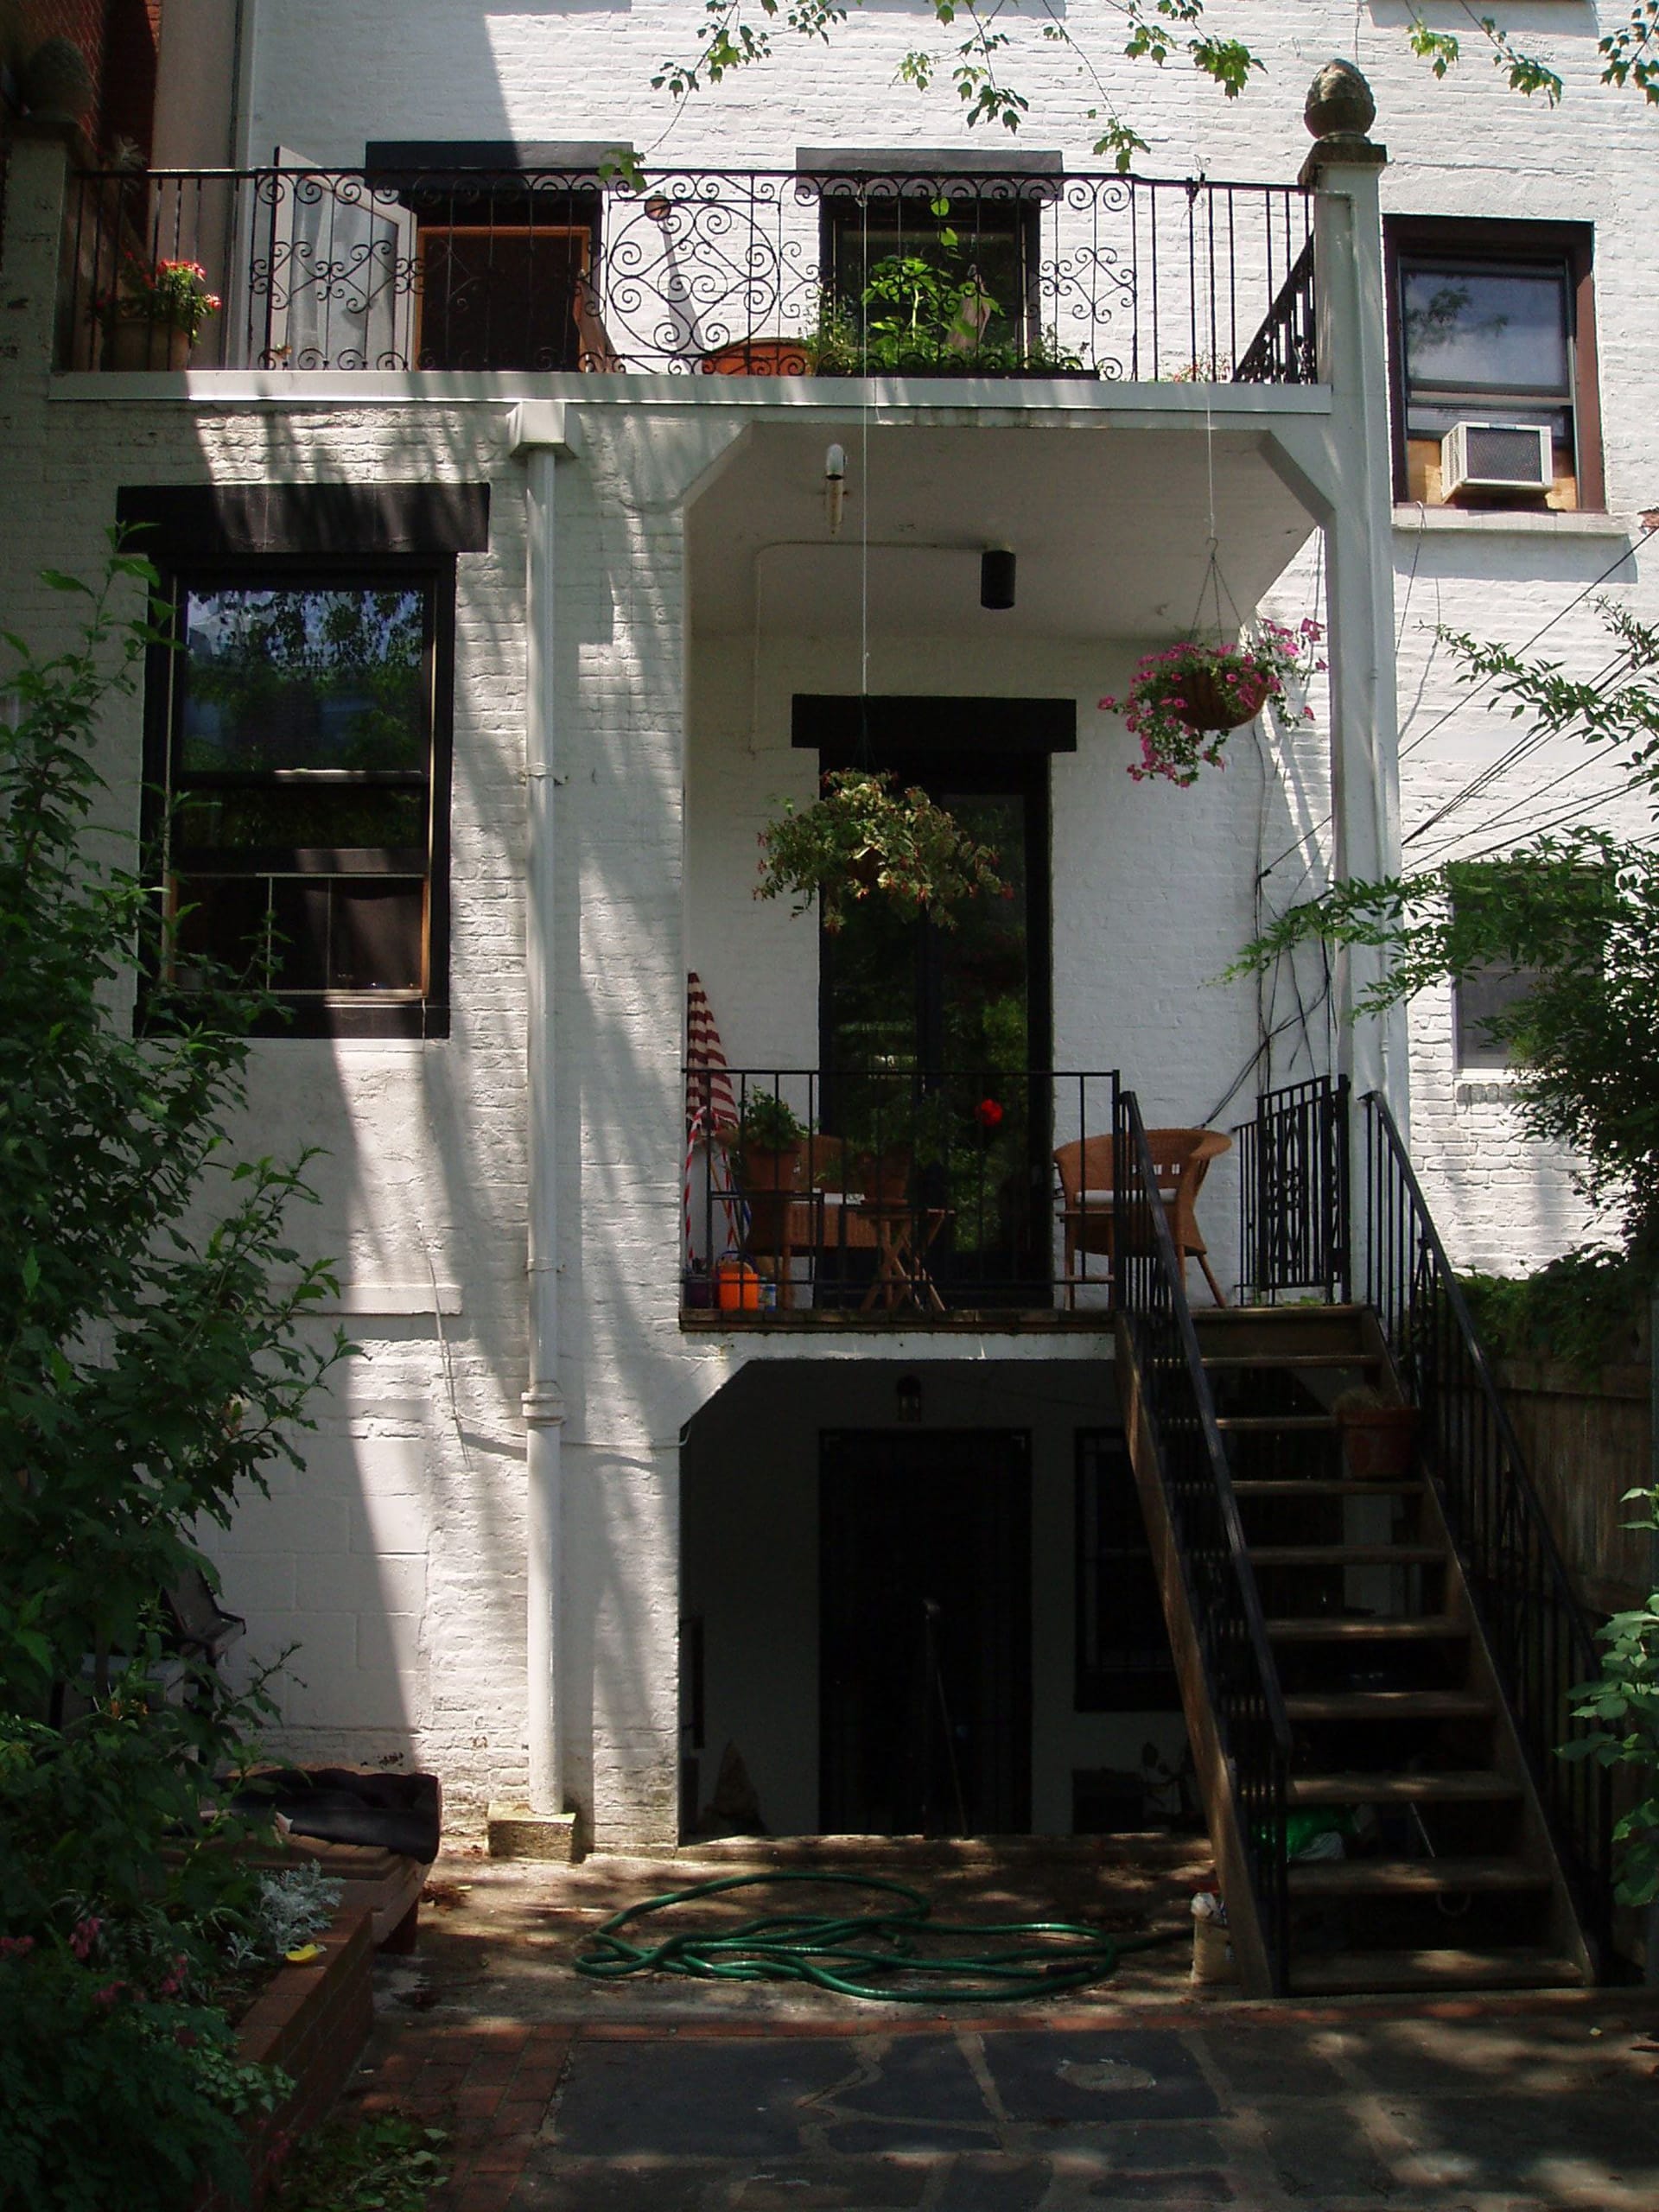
x: 924, y: 1632
x: 930, y: 1037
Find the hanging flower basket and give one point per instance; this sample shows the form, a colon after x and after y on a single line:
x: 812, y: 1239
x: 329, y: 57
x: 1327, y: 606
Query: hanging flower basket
x: 865, y: 839
x: 1185, y: 701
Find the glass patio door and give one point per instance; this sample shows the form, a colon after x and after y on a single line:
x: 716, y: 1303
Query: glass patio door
x: 929, y: 1035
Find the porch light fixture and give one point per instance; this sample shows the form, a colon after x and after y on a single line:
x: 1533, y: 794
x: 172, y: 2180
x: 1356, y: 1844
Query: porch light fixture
x: 835, y: 487
x: 996, y: 578
x: 908, y: 1398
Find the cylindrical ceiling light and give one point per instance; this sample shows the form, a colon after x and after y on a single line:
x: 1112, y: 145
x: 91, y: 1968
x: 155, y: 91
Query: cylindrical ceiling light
x: 996, y: 578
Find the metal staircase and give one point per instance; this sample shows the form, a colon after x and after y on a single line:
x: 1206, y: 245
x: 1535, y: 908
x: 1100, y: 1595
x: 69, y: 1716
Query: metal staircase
x: 1388, y: 1650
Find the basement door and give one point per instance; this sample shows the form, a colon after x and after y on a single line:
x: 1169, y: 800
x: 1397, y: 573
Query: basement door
x: 924, y: 1626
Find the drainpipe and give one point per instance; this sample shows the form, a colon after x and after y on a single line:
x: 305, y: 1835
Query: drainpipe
x: 1345, y: 168
x: 540, y: 435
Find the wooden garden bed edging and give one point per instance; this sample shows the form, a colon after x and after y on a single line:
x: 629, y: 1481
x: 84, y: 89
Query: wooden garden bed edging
x: 312, y: 2022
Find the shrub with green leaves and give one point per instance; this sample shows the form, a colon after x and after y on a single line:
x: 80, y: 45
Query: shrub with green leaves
x: 153, y: 1364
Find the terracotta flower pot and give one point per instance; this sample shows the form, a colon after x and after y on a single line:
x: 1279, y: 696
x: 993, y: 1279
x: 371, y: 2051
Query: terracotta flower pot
x: 135, y: 342
x: 1379, y: 1444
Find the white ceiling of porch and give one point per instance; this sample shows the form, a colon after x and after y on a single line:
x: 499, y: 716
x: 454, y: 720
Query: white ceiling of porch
x: 1110, y: 525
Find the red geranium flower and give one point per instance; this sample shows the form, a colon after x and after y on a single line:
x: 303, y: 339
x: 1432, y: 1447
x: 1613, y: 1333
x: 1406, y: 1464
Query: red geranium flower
x: 987, y: 1113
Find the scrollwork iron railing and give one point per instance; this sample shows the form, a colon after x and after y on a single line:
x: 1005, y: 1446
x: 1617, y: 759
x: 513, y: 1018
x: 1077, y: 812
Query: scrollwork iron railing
x: 754, y: 271
x: 1293, y: 1192
x: 1222, y: 1600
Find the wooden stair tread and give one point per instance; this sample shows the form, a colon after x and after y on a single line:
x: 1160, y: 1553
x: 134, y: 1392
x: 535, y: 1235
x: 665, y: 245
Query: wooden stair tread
x: 1347, y: 1554
x: 1320, y: 1628
x: 1356, y: 1972
x: 1466, y: 1788
x: 1241, y: 1363
x: 1387, y: 1704
x: 1317, y: 1486
x: 1264, y: 1424
x: 1410, y: 1878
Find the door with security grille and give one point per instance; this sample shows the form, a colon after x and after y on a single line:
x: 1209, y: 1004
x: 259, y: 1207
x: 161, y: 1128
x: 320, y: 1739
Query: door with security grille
x: 925, y: 1623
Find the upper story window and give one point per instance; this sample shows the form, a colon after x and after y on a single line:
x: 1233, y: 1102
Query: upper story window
x: 500, y: 243
x: 1493, y: 364
x: 300, y: 802
x: 933, y: 267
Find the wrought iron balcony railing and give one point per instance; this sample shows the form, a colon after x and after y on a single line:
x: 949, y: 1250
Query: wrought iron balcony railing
x: 882, y: 1195
x: 754, y: 272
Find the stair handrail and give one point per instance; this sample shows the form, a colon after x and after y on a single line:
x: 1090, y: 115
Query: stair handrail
x: 1222, y: 1600
x: 1537, y: 1630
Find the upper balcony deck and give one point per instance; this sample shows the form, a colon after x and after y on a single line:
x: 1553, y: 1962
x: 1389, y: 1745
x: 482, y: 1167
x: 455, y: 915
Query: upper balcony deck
x: 823, y: 271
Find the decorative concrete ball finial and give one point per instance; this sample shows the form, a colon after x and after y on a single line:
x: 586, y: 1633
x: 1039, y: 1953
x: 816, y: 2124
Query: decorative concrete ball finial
x: 57, y: 83
x: 1339, y: 103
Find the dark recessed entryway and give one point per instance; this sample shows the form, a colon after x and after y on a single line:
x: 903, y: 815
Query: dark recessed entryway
x: 925, y: 1623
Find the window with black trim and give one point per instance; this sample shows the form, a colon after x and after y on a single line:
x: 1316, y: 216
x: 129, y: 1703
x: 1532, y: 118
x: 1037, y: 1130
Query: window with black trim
x: 299, y: 786
x: 1480, y: 1000
x: 1492, y: 337
x: 932, y: 268
x: 1123, y: 1660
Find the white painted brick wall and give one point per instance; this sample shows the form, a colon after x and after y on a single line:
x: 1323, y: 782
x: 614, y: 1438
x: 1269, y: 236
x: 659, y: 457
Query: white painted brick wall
x: 398, y: 1558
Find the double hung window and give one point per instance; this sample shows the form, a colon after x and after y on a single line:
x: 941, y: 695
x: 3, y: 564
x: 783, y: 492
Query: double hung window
x: 1492, y: 328
x: 299, y: 788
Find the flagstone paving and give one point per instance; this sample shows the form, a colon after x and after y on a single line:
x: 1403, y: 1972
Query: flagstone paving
x: 665, y: 2097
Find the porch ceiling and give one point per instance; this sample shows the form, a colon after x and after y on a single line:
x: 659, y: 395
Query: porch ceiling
x: 1110, y: 526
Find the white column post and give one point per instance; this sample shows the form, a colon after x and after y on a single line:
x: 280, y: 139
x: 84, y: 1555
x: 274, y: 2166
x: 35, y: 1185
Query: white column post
x: 1345, y: 169
x: 542, y: 433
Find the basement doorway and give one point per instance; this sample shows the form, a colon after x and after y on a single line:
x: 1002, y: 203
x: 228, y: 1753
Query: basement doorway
x: 924, y: 1632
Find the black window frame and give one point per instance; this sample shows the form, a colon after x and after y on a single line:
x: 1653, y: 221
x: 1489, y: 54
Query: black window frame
x: 1484, y: 245
x: 326, y: 1013
x: 1005, y: 198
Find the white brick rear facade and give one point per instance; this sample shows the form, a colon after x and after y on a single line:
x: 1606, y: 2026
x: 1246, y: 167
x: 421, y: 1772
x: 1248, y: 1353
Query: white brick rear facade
x: 398, y: 1563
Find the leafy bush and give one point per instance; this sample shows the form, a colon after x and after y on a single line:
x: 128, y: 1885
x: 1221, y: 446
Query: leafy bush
x: 1589, y: 1308
x: 389, y: 2163
x: 149, y: 1369
x: 114, y: 2097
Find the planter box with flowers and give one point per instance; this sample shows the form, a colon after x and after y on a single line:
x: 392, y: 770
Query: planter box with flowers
x: 1185, y: 701
x: 154, y: 315
x: 311, y: 2020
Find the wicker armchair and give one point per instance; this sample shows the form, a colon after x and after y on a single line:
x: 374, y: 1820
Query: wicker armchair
x: 1180, y: 1159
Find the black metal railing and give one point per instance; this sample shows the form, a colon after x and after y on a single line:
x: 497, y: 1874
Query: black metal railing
x: 881, y: 1193
x: 1293, y: 1194
x: 1286, y: 348
x: 1222, y: 1600
x: 1539, y: 1636
x: 754, y: 271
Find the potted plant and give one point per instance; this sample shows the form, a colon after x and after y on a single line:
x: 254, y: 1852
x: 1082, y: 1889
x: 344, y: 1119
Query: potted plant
x: 923, y: 320
x: 769, y: 1138
x: 1379, y: 1435
x: 864, y: 836
x: 154, y: 315
x: 1185, y: 701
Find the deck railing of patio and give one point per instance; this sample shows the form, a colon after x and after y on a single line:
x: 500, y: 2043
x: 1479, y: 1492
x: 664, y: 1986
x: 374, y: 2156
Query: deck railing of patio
x: 751, y: 271
x: 872, y: 1193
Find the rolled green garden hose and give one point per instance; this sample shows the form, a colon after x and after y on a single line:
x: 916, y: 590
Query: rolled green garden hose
x: 880, y: 1953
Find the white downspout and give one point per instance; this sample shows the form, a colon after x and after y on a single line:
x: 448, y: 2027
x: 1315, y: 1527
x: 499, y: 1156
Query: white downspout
x: 542, y: 436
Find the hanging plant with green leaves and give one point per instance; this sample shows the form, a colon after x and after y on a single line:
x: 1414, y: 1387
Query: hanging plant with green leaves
x: 864, y: 837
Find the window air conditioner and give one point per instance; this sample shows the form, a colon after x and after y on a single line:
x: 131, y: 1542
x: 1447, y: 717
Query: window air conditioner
x: 1495, y: 457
